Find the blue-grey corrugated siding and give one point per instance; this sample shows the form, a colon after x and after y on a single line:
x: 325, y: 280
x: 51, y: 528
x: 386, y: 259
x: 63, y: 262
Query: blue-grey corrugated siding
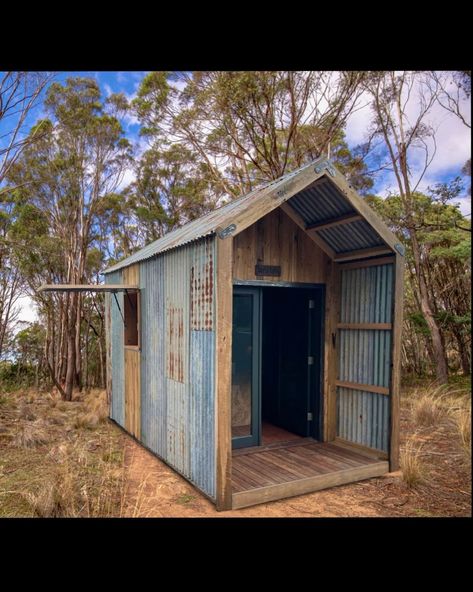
x: 177, y: 371
x: 117, y: 351
x: 153, y: 382
x: 363, y: 418
x: 202, y: 410
x: 366, y: 295
x: 365, y: 355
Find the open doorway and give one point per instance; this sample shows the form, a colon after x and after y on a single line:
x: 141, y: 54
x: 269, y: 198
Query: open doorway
x: 276, y: 363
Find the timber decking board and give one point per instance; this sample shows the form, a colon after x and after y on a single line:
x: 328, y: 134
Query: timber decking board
x: 296, y: 466
x: 273, y: 446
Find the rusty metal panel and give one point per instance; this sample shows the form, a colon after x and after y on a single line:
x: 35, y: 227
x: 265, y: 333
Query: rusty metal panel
x: 117, y: 352
x: 177, y: 360
x: 153, y: 383
x: 175, y: 343
x: 365, y: 354
x: 363, y: 418
x: 202, y: 286
x: 177, y: 264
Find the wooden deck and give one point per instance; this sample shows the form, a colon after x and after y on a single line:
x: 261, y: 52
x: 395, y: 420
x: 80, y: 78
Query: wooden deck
x: 276, y: 471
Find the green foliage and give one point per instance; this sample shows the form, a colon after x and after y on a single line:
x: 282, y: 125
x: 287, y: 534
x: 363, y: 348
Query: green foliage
x: 246, y: 128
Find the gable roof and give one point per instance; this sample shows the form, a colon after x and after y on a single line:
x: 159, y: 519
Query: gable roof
x: 316, y: 194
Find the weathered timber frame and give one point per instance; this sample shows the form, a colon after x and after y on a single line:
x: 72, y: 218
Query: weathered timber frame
x: 223, y: 377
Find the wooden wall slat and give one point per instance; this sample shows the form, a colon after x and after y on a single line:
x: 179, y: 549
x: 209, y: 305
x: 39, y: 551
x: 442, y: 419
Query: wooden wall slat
x: 277, y: 240
x: 131, y: 276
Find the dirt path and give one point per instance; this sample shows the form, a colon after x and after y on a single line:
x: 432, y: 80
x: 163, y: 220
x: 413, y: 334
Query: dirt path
x: 154, y: 490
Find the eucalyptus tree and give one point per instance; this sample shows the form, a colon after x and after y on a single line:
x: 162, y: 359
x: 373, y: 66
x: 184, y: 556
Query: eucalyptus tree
x: 248, y: 127
x: 63, y: 183
x: 401, y: 103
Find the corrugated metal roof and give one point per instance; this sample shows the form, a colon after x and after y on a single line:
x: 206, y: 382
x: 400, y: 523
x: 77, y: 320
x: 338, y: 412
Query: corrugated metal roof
x: 205, y: 225
x: 351, y: 237
x: 321, y: 201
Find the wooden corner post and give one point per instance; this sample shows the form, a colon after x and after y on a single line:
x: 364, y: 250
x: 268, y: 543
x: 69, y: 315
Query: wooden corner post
x: 224, y: 302
x: 108, y: 352
x: 396, y: 362
x: 332, y: 317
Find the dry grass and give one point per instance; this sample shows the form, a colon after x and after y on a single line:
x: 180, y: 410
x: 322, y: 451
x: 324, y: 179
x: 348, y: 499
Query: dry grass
x: 411, y: 464
x: 426, y: 410
x: 463, y: 425
x: 96, y: 410
x: 49, y: 468
x: 30, y: 435
x: 67, y: 494
x: 433, y: 403
x: 25, y: 412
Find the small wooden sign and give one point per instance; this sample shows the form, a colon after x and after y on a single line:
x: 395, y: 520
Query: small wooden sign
x: 268, y: 270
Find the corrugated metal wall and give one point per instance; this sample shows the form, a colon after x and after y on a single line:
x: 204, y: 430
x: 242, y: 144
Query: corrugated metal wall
x: 177, y: 360
x: 363, y: 418
x: 117, y: 351
x: 365, y: 355
x: 153, y: 375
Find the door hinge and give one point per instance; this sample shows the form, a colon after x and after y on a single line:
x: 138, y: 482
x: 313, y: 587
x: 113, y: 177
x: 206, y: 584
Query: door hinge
x: 311, y: 303
x: 310, y: 417
x: 310, y: 360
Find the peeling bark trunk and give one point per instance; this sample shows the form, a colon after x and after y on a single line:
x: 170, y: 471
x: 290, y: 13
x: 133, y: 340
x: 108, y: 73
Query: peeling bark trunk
x: 441, y: 368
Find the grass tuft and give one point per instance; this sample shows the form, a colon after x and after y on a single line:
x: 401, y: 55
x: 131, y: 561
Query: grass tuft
x: 30, y: 435
x: 411, y: 464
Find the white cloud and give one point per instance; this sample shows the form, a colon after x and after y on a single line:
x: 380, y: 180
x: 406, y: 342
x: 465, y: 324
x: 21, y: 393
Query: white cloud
x: 128, y: 177
x: 28, y: 311
x: 108, y: 89
x: 452, y: 142
x: 130, y: 119
x: 358, y: 123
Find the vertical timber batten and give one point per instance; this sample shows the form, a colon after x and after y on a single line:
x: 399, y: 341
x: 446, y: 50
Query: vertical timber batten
x: 108, y: 354
x: 332, y: 315
x: 396, y: 362
x: 131, y: 275
x: 224, y: 302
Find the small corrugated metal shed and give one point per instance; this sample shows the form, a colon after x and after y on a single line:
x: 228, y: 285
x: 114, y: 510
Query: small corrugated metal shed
x: 221, y: 318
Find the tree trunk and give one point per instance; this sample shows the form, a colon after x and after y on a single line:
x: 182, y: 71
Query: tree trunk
x: 464, y: 353
x: 78, y: 360
x: 71, y: 341
x: 441, y: 369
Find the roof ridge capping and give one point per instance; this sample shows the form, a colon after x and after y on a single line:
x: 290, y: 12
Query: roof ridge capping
x: 233, y: 217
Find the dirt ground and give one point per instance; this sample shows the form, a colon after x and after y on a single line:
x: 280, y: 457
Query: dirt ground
x: 155, y: 490
x: 67, y: 459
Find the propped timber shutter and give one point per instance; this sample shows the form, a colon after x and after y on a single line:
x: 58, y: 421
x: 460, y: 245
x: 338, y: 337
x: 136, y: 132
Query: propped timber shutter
x: 364, y: 354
